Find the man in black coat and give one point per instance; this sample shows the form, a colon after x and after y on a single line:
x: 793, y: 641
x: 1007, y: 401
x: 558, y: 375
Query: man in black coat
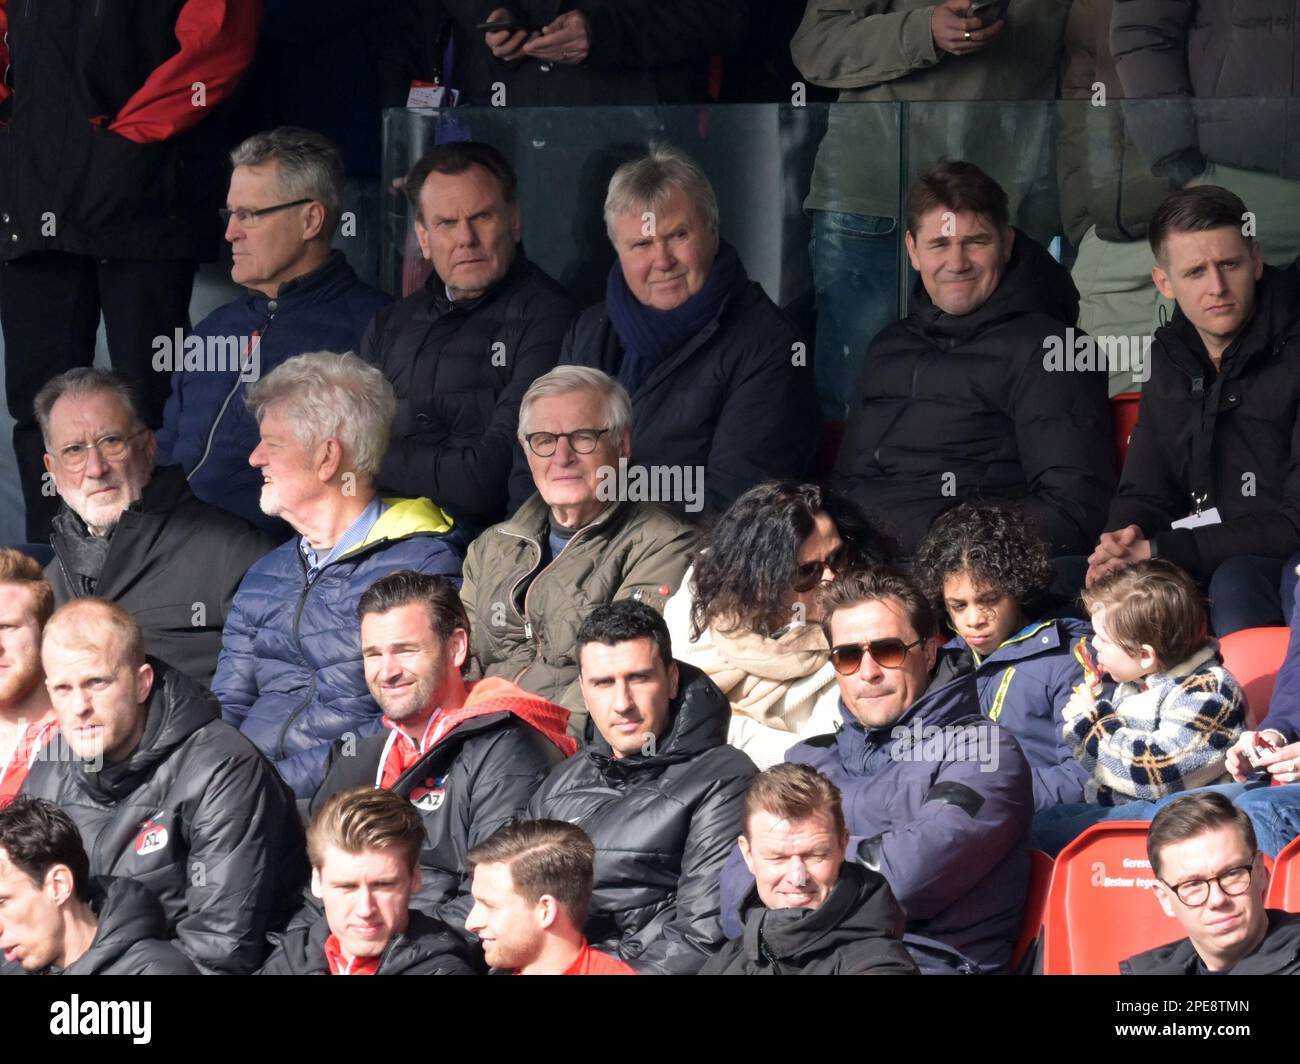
x: 57, y: 920
x: 364, y: 845
x: 164, y: 792
x: 133, y: 534
x: 110, y: 176
x: 461, y: 353
x: 467, y: 757
x: 1212, y: 477
x: 976, y: 391
x: 1211, y: 878
x: 719, y: 380
x: 658, y: 792
x: 809, y: 913
x: 588, y: 53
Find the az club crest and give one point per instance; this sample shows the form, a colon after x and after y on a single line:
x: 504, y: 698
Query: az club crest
x: 428, y: 796
x: 152, y: 838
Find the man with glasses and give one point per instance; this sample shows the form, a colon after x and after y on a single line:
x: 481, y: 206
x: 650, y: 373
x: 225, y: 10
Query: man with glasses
x: 282, y: 210
x: 1210, y: 877
x: 937, y: 799
x: 574, y: 545
x: 133, y: 534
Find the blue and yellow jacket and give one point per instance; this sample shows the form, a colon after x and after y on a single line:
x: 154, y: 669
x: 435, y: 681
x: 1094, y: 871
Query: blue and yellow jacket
x: 1023, y: 686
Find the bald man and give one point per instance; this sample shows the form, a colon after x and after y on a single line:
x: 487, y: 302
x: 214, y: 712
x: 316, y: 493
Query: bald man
x: 164, y: 792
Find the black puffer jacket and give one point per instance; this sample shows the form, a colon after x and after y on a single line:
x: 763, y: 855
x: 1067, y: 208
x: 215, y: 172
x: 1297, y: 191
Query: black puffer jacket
x: 855, y: 932
x: 426, y: 947
x: 466, y: 786
x: 196, y: 815
x: 77, y: 74
x: 1231, y: 436
x: 641, y: 53
x: 1178, y: 49
x: 459, y: 370
x: 734, y: 399
x: 662, y: 826
x: 1278, y: 954
x: 132, y: 936
x: 151, y: 570
x: 951, y: 407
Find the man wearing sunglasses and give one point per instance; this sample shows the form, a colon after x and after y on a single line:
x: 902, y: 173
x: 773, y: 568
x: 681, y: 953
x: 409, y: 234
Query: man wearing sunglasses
x: 936, y: 799
x: 1210, y: 877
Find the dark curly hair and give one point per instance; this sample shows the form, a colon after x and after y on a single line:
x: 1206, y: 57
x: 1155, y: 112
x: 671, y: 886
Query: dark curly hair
x: 994, y: 541
x: 745, y: 567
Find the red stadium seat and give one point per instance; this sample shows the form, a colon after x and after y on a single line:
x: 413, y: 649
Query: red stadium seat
x: 1100, y: 907
x: 1040, y: 879
x: 1284, y: 886
x: 1123, y: 416
x: 1254, y: 656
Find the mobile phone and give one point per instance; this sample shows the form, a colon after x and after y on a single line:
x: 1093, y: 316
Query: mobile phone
x: 987, y: 11
x: 500, y: 24
x: 1261, y: 746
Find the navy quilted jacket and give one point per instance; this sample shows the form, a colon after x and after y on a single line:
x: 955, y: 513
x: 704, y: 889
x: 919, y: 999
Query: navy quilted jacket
x: 290, y: 676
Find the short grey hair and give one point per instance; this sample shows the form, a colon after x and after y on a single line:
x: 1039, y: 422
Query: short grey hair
x: 645, y: 184
x: 310, y: 166
x: 79, y: 382
x: 324, y: 395
x: 565, y: 379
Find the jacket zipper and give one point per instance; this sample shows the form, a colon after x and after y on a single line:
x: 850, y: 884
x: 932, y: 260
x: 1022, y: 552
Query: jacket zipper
x: 255, y: 340
x: 528, y: 625
x: 297, y: 639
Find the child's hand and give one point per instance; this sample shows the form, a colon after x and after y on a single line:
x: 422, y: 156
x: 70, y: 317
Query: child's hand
x: 1081, y: 703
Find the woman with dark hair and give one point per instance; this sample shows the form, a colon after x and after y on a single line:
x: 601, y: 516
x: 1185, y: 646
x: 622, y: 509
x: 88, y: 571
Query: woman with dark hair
x: 747, y: 612
x: 987, y: 570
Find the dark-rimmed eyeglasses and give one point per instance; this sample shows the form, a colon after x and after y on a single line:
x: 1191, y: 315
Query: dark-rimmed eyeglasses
x: 887, y: 653
x: 581, y: 441
x: 1233, y: 882
x: 111, y: 447
x: 249, y: 218
x: 808, y: 575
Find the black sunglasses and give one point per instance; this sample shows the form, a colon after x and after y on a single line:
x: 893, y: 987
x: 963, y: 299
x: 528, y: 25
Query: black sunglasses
x: 887, y: 653
x: 809, y: 574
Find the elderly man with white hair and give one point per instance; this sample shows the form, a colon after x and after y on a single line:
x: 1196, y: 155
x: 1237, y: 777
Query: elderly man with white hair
x: 290, y: 675
x: 578, y: 542
x: 719, y: 381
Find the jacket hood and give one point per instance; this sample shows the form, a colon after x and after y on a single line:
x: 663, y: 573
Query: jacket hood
x: 128, y: 913
x: 698, y: 720
x: 1278, y: 954
x: 177, y: 708
x: 860, y: 906
x: 1275, y: 319
x: 402, y: 519
x: 494, y: 695
x: 1033, y: 283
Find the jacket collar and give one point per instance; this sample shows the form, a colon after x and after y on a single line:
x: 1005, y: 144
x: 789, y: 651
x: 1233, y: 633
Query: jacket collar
x: 321, y: 283
x: 438, y: 305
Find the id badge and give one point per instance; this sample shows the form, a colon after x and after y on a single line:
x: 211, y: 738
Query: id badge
x: 1205, y: 517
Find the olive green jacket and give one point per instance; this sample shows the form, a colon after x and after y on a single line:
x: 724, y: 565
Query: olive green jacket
x: 527, y: 634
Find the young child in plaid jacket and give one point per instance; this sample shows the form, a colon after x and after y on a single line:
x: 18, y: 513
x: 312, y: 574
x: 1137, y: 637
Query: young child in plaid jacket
x: 1175, y: 710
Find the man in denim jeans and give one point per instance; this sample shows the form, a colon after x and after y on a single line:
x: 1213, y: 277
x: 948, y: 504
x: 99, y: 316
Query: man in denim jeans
x: 918, y: 52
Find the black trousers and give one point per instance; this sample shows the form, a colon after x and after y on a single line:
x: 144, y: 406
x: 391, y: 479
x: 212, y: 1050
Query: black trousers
x: 50, y: 305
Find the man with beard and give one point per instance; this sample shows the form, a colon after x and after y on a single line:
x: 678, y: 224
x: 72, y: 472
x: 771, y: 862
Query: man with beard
x: 468, y: 756
x: 26, y: 719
